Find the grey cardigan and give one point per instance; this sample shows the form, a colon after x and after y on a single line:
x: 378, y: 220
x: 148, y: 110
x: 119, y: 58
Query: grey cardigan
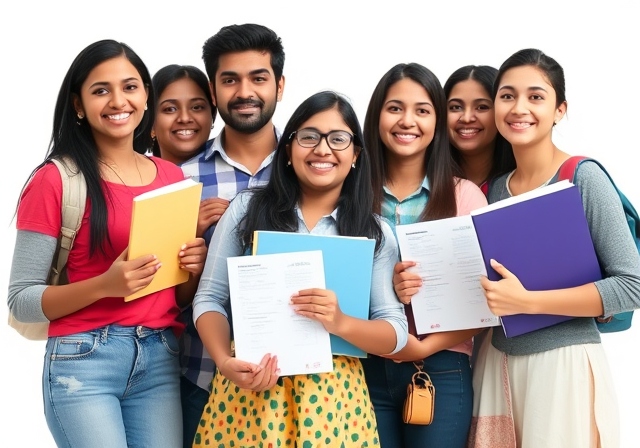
x: 617, y: 254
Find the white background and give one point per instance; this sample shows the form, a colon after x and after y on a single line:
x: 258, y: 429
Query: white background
x: 341, y: 45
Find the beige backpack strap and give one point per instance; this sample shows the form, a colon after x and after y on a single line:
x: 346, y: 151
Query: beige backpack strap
x: 74, y: 198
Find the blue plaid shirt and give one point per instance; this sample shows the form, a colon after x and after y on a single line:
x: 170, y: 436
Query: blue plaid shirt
x: 224, y: 178
x: 408, y: 210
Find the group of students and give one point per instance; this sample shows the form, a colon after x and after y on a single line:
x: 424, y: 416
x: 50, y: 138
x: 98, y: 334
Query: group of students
x: 121, y: 374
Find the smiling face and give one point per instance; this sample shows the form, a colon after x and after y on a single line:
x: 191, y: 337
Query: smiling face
x: 246, y: 91
x: 526, y: 107
x: 470, y: 118
x: 407, y: 120
x: 183, y: 120
x: 112, y: 99
x: 320, y: 169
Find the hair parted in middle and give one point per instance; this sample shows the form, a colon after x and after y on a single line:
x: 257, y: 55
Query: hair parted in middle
x: 485, y: 75
x: 273, y: 207
x: 440, y: 165
x: 169, y: 74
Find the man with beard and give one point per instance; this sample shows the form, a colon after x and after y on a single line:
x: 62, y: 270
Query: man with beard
x: 244, y: 64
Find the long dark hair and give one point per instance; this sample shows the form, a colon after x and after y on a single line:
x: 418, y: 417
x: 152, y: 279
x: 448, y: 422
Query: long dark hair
x: 73, y: 138
x: 273, y: 207
x: 485, y: 75
x: 169, y: 74
x: 440, y: 166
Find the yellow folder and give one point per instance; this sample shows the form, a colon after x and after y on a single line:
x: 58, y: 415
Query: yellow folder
x: 162, y: 221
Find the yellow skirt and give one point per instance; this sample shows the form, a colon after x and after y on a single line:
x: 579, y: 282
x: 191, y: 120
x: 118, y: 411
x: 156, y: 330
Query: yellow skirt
x: 304, y: 411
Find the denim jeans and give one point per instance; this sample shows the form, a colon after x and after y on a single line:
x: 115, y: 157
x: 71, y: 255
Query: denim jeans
x: 450, y: 373
x: 194, y: 399
x: 113, y: 387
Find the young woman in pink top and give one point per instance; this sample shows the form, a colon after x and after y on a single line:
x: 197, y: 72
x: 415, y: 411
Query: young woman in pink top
x: 477, y: 146
x: 111, y: 372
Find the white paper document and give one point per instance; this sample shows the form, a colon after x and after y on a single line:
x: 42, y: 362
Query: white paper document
x: 264, y: 322
x: 450, y: 263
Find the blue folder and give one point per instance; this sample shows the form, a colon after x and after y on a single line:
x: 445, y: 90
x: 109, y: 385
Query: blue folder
x: 348, y: 266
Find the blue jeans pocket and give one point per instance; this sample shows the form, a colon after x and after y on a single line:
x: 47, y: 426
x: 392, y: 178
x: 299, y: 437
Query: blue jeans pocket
x: 74, y: 346
x: 170, y: 342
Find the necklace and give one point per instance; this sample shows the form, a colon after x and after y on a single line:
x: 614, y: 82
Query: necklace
x: 111, y: 165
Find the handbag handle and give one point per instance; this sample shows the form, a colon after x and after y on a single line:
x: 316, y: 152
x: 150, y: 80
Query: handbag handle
x: 423, y: 378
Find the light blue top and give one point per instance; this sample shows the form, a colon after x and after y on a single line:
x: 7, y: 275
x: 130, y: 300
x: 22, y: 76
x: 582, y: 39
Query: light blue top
x: 213, y: 291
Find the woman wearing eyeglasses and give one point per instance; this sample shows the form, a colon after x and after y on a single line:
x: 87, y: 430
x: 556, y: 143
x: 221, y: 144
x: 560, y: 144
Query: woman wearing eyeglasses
x: 416, y: 179
x: 320, y: 184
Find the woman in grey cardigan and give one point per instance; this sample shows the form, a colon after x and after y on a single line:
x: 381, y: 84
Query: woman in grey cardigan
x: 518, y: 380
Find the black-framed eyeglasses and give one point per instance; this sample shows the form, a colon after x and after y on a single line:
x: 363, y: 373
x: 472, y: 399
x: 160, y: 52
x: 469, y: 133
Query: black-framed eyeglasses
x: 310, y: 138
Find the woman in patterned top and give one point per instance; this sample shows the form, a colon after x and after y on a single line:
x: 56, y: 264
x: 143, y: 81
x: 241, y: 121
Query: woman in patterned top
x: 320, y: 184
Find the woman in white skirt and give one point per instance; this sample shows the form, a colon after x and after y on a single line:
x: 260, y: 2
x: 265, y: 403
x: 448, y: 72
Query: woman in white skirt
x: 551, y: 387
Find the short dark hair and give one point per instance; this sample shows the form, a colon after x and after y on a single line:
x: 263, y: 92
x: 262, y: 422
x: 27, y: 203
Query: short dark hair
x: 169, y: 74
x: 246, y: 37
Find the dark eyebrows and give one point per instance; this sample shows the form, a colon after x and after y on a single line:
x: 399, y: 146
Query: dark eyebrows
x: 259, y: 71
x: 105, y: 83
x: 425, y: 103
x: 530, y: 89
x: 190, y: 100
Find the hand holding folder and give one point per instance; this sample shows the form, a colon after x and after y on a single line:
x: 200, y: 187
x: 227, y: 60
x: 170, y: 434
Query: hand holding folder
x: 162, y: 221
x: 348, y: 266
x: 542, y: 237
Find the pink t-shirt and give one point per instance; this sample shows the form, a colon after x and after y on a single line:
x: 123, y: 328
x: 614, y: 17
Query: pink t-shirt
x: 39, y: 211
x: 468, y: 197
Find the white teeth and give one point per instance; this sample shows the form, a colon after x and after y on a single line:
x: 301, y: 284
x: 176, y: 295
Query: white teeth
x: 321, y: 165
x: 186, y: 132
x: 520, y: 125
x: 118, y: 116
x: 468, y: 131
x: 406, y: 136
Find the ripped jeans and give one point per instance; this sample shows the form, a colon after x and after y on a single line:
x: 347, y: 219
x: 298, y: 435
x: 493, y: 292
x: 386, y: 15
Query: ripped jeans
x: 113, y: 387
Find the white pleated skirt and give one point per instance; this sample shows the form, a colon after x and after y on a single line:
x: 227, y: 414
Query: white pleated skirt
x: 562, y: 398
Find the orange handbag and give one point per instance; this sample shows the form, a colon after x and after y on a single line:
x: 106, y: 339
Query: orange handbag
x: 420, y: 401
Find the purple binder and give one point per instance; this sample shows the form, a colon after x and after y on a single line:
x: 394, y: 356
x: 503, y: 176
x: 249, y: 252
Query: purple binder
x: 545, y: 241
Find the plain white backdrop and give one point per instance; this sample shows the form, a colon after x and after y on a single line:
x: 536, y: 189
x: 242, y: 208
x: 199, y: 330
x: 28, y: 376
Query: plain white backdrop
x: 340, y: 45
